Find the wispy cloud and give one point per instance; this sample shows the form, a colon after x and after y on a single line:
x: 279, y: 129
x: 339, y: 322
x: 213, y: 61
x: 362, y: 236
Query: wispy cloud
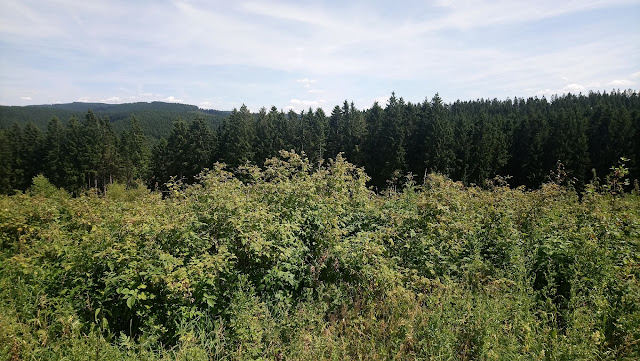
x: 621, y: 82
x: 172, y: 99
x: 223, y: 54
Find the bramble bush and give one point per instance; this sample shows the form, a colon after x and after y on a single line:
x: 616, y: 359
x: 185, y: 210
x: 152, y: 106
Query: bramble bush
x: 300, y: 261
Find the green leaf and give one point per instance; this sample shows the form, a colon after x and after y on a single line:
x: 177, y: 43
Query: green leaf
x: 131, y: 301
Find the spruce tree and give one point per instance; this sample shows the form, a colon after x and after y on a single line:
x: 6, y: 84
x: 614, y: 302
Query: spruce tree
x: 54, y: 153
x: 239, y: 137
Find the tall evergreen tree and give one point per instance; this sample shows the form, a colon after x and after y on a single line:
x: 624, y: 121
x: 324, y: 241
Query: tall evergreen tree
x: 54, y: 168
x: 569, y: 143
x: 239, y: 137
x: 108, y: 164
x: 16, y: 149
x: 464, y: 131
x: 33, y: 149
x: 354, y: 133
x: 392, y: 138
x: 73, y: 167
x: 334, y: 132
x: 316, y: 124
x: 440, y: 155
x: 200, y: 148
x: 374, y: 160
x: 178, y: 150
x: 6, y: 159
x: 160, y: 164
x: 135, y: 153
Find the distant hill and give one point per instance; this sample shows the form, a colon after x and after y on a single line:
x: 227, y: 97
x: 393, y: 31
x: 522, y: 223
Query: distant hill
x: 156, y: 118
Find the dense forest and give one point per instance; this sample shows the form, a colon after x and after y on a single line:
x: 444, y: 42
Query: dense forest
x: 522, y: 140
x: 155, y: 118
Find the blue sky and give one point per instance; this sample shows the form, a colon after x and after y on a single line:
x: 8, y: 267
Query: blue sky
x: 301, y: 54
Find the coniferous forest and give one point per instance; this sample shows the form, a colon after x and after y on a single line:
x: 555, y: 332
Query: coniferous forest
x: 478, y: 230
x: 471, y: 142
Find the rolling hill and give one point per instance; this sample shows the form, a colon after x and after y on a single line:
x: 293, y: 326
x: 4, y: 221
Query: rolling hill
x: 156, y: 118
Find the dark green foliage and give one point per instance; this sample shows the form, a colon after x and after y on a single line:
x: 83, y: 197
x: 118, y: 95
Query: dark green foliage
x: 6, y: 163
x: 238, y: 135
x: 439, y: 155
x: 155, y: 118
x: 54, y: 156
x: 135, y: 153
x: 373, y: 156
x: 201, y: 147
x: 524, y: 141
x: 178, y: 149
x: 392, y: 138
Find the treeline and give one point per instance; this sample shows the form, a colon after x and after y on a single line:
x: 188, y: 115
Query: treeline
x: 155, y: 118
x: 470, y: 141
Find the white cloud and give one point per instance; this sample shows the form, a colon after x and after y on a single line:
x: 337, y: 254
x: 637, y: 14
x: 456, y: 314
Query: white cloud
x: 306, y: 81
x: 25, y: 98
x: 311, y: 103
x: 300, y: 104
x: 574, y: 88
x: 358, y: 50
x: 382, y: 101
x: 621, y: 82
x: 172, y: 99
x: 111, y: 100
x: 466, y: 14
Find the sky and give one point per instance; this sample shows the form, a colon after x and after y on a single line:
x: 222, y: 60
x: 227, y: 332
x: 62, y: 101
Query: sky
x: 301, y: 54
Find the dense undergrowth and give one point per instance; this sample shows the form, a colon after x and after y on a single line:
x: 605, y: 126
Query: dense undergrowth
x: 295, y: 262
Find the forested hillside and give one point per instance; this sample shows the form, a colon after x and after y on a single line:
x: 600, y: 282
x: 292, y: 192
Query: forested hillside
x: 155, y: 118
x: 300, y: 262
x: 522, y: 140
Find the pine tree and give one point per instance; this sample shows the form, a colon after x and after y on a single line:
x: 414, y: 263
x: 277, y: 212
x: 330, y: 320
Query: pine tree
x: 334, y: 136
x: 200, y: 148
x: 108, y: 163
x: 316, y: 123
x: 160, y: 163
x: 33, y: 153
x: 178, y: 150
x: 464, y: 131
x: 440, y: 156
x: 90, y: 150
x: 16, y: 149
x: 354, y: 133
x: 374, y: 159
x: 135, y: 153
x: 239, y: 137
x: 54, y: 156
x: 73, y: 171
x: 5, y: 163
x: 392, y: 138
x: 569, y: 143
x: 265, y: 135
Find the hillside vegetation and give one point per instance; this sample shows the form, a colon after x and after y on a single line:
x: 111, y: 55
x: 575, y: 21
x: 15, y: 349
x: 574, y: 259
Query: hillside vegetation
x: 300, y: 262
x: 155, y: 118
x: 469, y: 141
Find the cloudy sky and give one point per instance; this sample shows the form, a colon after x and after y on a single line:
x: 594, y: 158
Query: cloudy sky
x: 301, y: 54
